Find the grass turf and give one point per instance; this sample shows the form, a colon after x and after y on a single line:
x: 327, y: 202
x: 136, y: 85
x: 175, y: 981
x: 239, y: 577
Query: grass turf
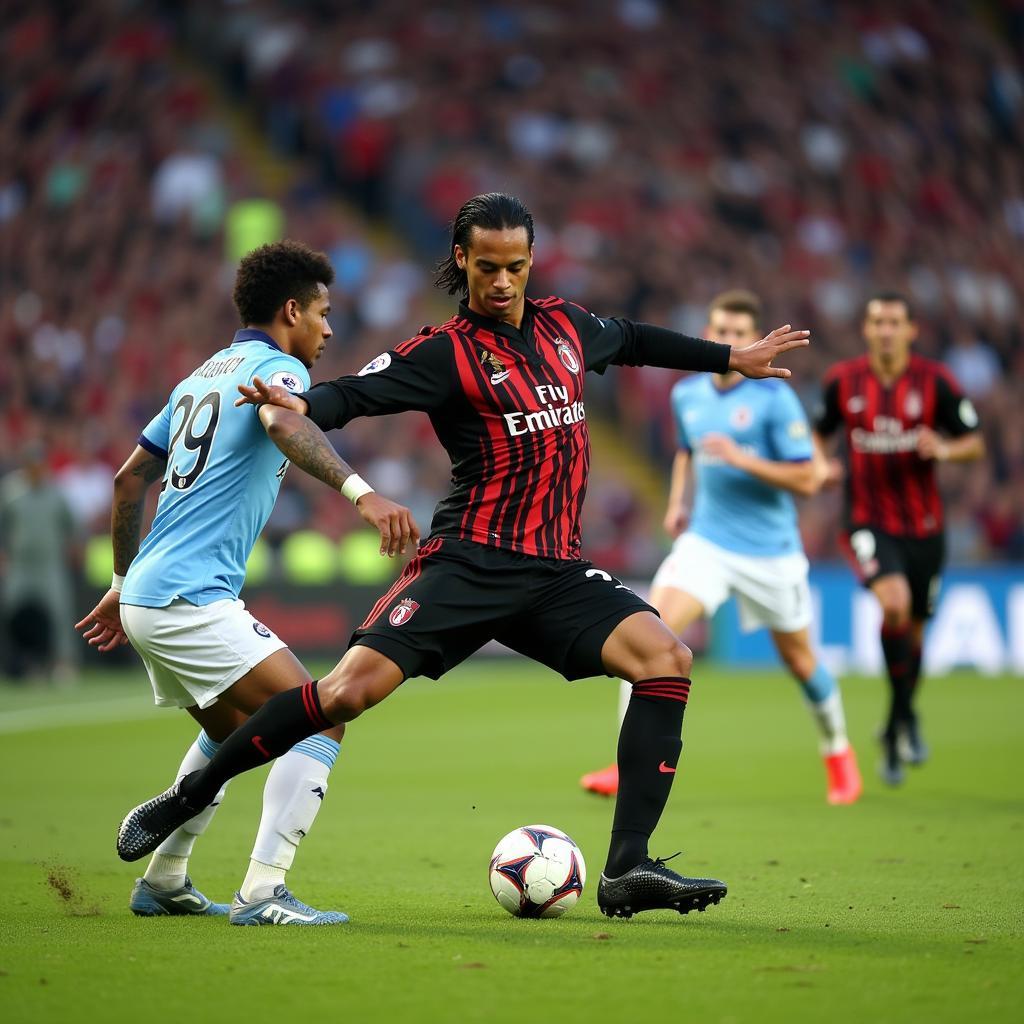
x: 905, y: 907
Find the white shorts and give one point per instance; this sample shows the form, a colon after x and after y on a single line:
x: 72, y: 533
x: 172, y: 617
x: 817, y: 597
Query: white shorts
x: 192, y: 653
x: 771, y: 592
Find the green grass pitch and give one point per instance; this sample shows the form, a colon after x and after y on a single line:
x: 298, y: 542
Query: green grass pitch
x: 906, y: 907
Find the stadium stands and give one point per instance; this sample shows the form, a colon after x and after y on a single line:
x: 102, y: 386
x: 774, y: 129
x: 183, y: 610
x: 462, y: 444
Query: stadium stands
x: 836, y: 147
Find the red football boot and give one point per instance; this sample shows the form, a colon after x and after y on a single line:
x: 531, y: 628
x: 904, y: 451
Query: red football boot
x: 605, y: 782
x: 844, y: 782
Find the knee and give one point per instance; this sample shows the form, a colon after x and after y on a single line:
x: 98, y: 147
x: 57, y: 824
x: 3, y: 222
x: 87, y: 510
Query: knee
x: 896, y: 610
x: 671, y: 659
x: 342, y: 698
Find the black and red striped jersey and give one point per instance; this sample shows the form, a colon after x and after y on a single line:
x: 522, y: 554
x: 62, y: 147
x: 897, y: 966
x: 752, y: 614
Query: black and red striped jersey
x: 507, y: 404
x: 888, y: 485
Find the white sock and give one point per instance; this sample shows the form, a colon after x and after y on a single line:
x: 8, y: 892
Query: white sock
x: 825, y: 702
x: 831, y: 721
x: 260, y: 881
x: 169, y: 864
x: 292, y: 797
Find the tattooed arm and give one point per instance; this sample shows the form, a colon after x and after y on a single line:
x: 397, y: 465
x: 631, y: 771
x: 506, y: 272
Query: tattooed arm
x: 304, y: 443
x: 132, y: 482
x: 102, y: 626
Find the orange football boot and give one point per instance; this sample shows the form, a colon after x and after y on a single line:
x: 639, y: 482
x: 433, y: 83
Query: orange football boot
x: 844, y: 782
x: 605, y: 782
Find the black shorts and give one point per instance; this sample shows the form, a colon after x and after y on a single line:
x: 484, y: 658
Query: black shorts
x: 455, y: 596
x: 874, y: 553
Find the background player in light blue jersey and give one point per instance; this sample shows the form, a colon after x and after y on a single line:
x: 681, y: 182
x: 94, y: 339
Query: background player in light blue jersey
x: 749, y: 446
x: 176, y: 597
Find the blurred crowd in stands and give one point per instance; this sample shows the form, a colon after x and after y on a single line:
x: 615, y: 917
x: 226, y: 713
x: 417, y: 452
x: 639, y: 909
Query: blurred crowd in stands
x: 810, y: 150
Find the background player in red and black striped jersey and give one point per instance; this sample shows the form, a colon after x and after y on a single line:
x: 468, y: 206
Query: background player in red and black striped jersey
x: 901, y: 414
x: 502, y: 382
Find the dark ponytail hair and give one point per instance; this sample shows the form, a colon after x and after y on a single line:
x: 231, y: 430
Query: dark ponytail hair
x: 491, y: 211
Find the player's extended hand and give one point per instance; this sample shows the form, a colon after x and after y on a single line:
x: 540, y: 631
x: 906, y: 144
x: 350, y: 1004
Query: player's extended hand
x: 723, y: 448
x: 392, y: 521
x: 102, y: 625
x: 259, y: 394
x: 756, y: 360
x: 930, y: 445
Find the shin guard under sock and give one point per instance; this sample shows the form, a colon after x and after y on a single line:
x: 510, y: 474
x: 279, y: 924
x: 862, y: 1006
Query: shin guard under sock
x: 649, y: 748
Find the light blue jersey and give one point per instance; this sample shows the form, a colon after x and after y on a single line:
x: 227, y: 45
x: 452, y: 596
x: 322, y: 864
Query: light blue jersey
x: 222, y: 478
x: 733, y: 509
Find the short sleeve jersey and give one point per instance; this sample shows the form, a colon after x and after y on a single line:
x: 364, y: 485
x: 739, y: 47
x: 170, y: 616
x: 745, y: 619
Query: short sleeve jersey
x: 888, y: 485
x: 222, y: 478
x: 732, y: 508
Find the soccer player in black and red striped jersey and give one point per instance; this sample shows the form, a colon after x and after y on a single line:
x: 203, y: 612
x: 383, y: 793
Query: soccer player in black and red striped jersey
x: 502, y: 381
x: 901, y: 414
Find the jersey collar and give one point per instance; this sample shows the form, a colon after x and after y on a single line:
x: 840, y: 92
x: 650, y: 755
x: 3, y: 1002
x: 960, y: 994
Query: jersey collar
x: 252, y: 334
x: 729, y: 389
x: 521, y: 333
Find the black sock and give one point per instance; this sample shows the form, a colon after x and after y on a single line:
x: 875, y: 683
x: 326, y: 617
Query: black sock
x: 649, y: 747
x: 284, y: 720
x: 899, y: 662
x: 915, y: 672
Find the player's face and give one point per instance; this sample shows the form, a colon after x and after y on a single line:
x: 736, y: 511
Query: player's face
x: 312, y: 329
x: 888, y: 329
x: 497, y: 264
x: 731, y: 328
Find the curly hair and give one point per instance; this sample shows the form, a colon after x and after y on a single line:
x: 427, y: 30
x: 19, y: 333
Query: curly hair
x: 492, y: 210
x: 272, y: 274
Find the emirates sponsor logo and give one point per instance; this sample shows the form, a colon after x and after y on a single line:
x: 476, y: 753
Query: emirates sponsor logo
x: 557, y: 411
x: 887, y: 438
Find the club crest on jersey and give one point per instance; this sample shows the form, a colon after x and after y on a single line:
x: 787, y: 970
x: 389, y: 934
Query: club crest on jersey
x: 403, y: 611
x: 382, y: 362
x: 260, y: 630
x: 913, y: 404
x: 856, y: 404
x: 741, y: 417
x: 489, y: 361
x: 567, y: 356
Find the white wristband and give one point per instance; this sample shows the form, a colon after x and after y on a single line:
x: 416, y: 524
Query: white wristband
x: 117, y: 583
x: 355, y: 487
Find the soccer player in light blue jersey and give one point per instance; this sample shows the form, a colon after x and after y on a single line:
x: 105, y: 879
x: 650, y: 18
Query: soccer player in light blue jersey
x: 749, y: 446
x: 175, y: 598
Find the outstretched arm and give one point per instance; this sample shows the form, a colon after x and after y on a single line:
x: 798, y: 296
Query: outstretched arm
x: 304, y: 444
x: 621, y: 342
x: 756, y: 360
x: 102, y: 626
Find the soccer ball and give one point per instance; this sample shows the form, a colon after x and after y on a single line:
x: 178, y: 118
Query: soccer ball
x: 537, y: 871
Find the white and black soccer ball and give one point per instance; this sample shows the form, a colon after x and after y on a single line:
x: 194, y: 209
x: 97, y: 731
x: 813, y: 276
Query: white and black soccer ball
x: 537, y: 871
